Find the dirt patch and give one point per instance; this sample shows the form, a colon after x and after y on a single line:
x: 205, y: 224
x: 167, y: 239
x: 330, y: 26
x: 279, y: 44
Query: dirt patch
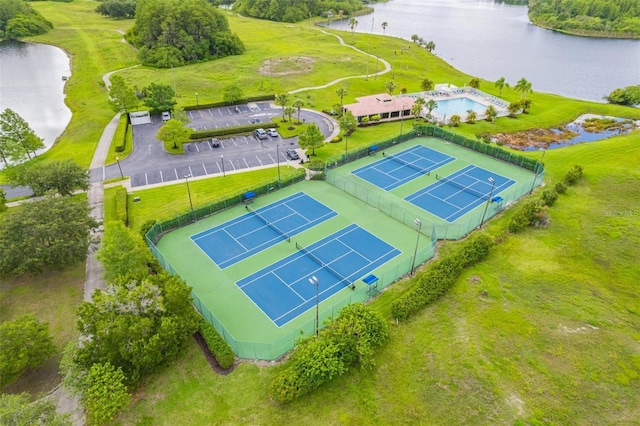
x: 538, y: 138
x: 287, y: 66
x: 210, y: 358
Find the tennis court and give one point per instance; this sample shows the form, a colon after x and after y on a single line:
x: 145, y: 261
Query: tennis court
x: 398, y: 169
x: 259, y: 229
x: 455, y: 195
x: 283, y: 291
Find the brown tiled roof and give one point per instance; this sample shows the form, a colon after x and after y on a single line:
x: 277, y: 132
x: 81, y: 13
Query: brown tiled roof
x: 378, y: 104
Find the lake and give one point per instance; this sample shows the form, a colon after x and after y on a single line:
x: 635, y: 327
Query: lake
x: 492, y: 40
x: 31, y: 84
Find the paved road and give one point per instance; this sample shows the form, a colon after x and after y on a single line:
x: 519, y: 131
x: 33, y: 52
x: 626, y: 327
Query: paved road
x: 150, y: 164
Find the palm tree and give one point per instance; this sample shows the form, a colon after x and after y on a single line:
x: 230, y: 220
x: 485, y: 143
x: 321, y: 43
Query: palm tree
x: 384, y: 26
x: 415, y: 38
x: 289, y: 111
x: 416, y: 109
x: 501, y: 83
x: 298, y: 104
x: 281, y: 100
x: 513, y: 109
x: 427, y: 85
x: 523, y: 86
x: 342, y: 92
x: 353, y: 23
x: 431, y: 105
x: 525, y: 104
x: 490, y: 113
x: 471, y: 116
x: 454, y: 121
x: 430, y: 46
x: 391, y: 86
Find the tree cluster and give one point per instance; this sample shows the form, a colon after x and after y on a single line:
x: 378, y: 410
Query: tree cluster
x: 610, y: 17
x: 348, y: 340
x: 174, y: 32
x: 119, y: 9
x: 62, y: 177
x: 18, y: 410
x: 630, y: 95
x: 18, y: 19
x: 18, y: 142
x: 295, y: 10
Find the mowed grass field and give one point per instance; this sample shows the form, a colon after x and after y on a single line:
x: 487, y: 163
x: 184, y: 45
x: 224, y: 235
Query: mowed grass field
x: 545, y: 331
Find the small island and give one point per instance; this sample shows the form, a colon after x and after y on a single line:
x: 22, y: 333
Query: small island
x: 599, y: 18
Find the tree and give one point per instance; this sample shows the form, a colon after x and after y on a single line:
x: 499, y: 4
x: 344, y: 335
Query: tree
x: 416, y: 108
x: 342, y: 92
x: 513, y: 109
x: 523, y: 86
x: 415, y: 38
x: 17, y: 139
x: 454, y: 121
x: 348, y: 124
x: 180, y: 114
x: 525, y: 105
x: 430, y: 46
x: 353, y: 23
x: 62, y: 177
x: 137, y: 325
x: 427, y: 85
x: 471, y: 116
x: 501, y: 83
x: 123, y: 253
x: 174, y: 32
x: 233, y: 93
x: 431, y: 105
x: 298, y: 104
x: 173, y: 132
x: 474, y: 82
x: 119, y: 9
x: 288, y: 112
x: 630, y: 95
x: 390, y: 86
x: 159, y: 97
x: 384, y: 26
x: 3, y: 201
x: 25, y: 343
x: 106, y: 392
x: 18, y: 410
x: 490, y: 113
x: 282, y: 99
x: 312, y: 138
x: 18, y: 19
x: 122, y: 98
x: 48, y: 234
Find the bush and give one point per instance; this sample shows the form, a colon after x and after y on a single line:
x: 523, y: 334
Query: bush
x: 484, y: 137
x: 219, y: 348
x: 146, y: 227
x: 560, y: 188
x: 336, y: 139
x: 549, y: 197
x: 439, y: 278
x: 347, y: 340
x: 526, y: 216
x: 120, y: 137
x: 573, y: 175
x: 122, y: 210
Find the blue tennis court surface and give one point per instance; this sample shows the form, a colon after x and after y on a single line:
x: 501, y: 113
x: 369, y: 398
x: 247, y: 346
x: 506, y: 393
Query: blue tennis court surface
x: 283, y: 291
x: 398, y: 169
x: 246, y: 235
x: 466, y: 189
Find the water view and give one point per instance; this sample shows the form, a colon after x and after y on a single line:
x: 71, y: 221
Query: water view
x: 32, y: 79
x: 491, y: 40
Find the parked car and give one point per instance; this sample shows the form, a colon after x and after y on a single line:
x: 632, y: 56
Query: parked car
x: 255, y: 120
x: 273, y: 133
x: 292, y: 154
x: 166, y: 116
x: 261, y: 134
x: 215, y: 143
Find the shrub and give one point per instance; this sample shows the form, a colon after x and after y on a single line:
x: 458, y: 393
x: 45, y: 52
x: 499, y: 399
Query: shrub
x: 122, y: 210
x: 573, y: 175
x: 526, y: 216
x: 560, y: 188
x: 316, y: 165
x: 219, y: 348
x: 120, y: 137
x: 484, y: 137
x: 336, y: 139
x: 347, y: 340
x: 146, y: 227
x: 549, y: 197
x: 437, y: 280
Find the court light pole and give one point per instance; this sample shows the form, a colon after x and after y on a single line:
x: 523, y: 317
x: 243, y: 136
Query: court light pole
x: 278, y: 155
x: 415, y: 251
x: 314, y: 281
x: 401, y: 119
x: 486, y: 206
x: 186, y: 178
x: 222, y: 161
x: 119, y: 167
x: 537, y: 172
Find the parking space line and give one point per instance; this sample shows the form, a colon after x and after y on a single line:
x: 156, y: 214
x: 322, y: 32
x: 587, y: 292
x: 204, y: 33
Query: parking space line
x: 200, y: 112
x: 146, y: 179
x: 176, y: 172
x: 234, y: 167
x: 205, y: 169
x: 259, y: 161
x: 245, y: 162
x: 271, y: 158
x: 219, y: 112
x: 197, y: 149
x: 161, y: 177
x: 219, y: 169
x: 190, y: 172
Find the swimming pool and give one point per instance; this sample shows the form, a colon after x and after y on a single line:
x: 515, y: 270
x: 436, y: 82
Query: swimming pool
x: 458, y: 106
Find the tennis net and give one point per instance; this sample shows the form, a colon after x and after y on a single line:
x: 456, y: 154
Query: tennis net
x: 408, y: 164
x: 269, y: 224
x: 463, y: 187
x: 325, y: 266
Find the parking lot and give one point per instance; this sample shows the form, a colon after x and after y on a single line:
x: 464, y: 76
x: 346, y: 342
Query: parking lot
x: 150, y: 164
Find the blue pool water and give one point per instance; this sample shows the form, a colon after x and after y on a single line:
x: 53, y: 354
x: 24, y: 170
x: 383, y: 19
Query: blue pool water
x: 458, y: 106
